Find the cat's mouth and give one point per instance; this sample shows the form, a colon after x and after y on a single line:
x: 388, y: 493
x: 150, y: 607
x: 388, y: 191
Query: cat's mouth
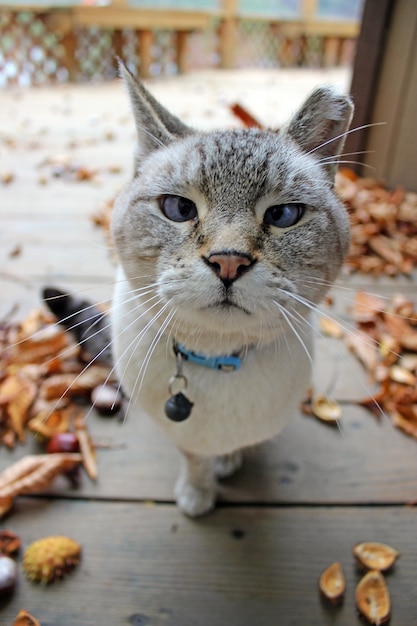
x: 227, y: 305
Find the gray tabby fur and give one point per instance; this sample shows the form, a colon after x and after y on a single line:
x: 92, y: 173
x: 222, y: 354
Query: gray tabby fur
x: 167, y: 287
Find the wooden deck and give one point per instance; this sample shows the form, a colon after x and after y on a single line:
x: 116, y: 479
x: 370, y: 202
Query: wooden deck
x: 298, y: 504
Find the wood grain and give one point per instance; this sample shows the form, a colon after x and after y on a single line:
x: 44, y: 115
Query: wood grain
x: 238, y: 566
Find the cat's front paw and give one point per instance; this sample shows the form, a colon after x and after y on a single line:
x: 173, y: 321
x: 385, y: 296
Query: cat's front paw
x: 195, y: 501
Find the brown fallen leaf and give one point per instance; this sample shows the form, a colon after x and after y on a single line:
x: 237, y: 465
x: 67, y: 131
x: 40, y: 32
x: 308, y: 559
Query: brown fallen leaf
x: 243, y: 114
x: 50, y: 421
x: 364, y: 349
x: 87, y: 450
x: 59, y: 385
x: 367, y: 306
x: 34, y: 474
x: 330, y: 327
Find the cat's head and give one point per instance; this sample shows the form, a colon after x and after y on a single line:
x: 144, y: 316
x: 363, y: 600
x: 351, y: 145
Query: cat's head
x: 234, y: 227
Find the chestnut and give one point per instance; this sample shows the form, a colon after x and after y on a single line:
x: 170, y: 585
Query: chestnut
x: 107, y: 399
x: 8, y: 575
x: 63, y: 442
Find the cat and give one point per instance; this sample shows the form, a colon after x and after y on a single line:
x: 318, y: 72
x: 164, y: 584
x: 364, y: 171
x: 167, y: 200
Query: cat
x: 226, y: 240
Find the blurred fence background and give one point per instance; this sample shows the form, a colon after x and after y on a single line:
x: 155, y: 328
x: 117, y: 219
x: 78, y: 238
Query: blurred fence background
x: 43, y: 41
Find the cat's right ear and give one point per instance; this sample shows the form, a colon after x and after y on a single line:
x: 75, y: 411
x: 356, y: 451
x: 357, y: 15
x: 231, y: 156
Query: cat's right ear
x: 320, y: 126
x: 155, y: 125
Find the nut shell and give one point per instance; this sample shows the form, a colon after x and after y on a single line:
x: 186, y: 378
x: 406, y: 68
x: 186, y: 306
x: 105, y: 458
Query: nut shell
x: 327, y: 410
x: 25, y: 619
x: 373, y: 599
x: 332, y: 583
x: 375, y: 556
x: 50, y: 558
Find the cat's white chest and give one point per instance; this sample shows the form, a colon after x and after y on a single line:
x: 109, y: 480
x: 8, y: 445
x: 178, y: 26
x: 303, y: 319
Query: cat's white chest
x: 231, y: 410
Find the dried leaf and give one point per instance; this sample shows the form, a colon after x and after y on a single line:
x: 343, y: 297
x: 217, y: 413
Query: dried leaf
x: 60, y: 385
x: 247, y: 118
x: 330, y: 327
x: 49, y: 422
x: 34, y: 473
x: 373, y: 599
x: 402, y: 375
x: 367, y: 306
x: 87, y: 449
x: 364, y: 349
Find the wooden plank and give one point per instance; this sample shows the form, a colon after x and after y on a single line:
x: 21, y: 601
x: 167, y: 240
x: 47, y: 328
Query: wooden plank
x: 142, y: 19
x: 228, y: 33
x: 392, y: 88
x: 145, y: 52
x: 182, y: 51
x: 369, y: 53
x: 368, y: 462
x: 401, y: 168
x: 237, y: 566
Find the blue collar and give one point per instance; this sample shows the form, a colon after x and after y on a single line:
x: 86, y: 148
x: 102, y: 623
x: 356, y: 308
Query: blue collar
x: 223, y: 363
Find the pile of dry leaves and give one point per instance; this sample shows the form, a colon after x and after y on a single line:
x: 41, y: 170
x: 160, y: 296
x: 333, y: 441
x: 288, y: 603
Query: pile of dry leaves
x: 383, y: 226
x: 386, y: 344
x: 42, y: 381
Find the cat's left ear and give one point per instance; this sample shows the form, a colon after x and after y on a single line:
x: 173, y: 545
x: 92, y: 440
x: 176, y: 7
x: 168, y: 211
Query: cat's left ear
x: 320, y: 126
x: 155, y: 125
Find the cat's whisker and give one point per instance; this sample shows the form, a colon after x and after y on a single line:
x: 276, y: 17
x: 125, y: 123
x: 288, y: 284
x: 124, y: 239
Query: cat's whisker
x: 338, y: 354
x: 133, y: 346
x: 344, y: 134
x: 367, y: 340
x: 345, y: 162
x: 345, y: 154
x: 142, y: 371
x: 113, y: 369
x: 286, y: 315
x: 94, y: 358
x: 370, y: 308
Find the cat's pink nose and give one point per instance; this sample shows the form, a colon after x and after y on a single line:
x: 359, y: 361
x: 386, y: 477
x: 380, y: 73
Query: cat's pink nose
x: 228, y: 267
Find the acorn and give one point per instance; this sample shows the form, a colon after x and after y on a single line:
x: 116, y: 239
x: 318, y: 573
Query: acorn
x: 50, y: 558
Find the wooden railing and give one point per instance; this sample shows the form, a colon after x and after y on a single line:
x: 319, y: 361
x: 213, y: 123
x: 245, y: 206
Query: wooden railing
x: 120, y: 14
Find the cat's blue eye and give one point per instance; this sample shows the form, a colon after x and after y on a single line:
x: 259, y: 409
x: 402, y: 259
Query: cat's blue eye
x: 284, y: 215
x: 177, y: 208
